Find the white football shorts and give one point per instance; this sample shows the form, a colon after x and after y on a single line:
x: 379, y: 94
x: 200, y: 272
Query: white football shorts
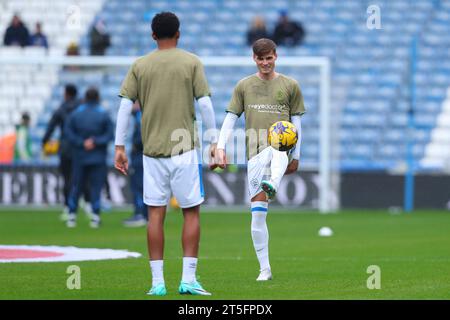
x: 258, y: 169
x: 179, y: 175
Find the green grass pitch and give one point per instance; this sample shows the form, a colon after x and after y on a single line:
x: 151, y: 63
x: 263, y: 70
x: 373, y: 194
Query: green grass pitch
x: 412, y: 251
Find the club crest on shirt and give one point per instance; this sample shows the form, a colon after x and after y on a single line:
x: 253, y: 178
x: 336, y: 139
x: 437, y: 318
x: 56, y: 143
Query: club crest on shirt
x: 279, y: 97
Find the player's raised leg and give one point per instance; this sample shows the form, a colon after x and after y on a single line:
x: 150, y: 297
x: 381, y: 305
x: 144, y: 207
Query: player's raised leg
x: 260, y: 235
x: 278, y: 167
x: 155, y: 241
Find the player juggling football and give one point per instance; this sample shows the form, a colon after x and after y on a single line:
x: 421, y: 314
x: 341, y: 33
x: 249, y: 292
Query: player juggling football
x: 267, y: 98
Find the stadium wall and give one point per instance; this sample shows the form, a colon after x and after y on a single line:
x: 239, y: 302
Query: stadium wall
x: 42, y: 186
x: 381, y: 190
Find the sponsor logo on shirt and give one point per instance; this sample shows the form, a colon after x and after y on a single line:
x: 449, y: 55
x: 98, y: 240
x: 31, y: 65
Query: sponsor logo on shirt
x: 269, y: 108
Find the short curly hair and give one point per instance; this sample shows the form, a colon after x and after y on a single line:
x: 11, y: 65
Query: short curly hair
x: 165, y: 25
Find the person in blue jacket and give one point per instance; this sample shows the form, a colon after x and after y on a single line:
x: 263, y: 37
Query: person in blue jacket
x: 139, y: 217
x: 89, y: 129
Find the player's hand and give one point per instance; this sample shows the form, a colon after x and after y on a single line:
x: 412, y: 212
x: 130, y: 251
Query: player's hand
x: 121, y: 160
x: 292, y: 167
x: 89, y: 144
x: 212, y: 156
x: 221, y: 158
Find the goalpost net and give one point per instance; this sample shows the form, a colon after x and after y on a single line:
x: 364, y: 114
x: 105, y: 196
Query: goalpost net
x: 35, y: 84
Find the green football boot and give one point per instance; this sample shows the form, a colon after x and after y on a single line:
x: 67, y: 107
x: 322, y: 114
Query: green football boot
x: 194, y: 288
x: 269, y: 189
x: 158, y: 290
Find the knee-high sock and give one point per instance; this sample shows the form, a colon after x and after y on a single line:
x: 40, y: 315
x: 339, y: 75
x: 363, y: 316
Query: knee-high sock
x: 278, y: 166
x: 260, y: 233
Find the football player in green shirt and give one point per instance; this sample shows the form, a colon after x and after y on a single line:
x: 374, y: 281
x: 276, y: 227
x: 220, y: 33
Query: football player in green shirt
x: 166, y: 82
x: 265, y: 98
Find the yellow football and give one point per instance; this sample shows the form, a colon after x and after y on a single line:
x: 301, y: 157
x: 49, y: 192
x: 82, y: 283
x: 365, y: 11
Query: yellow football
x: 51, y: 147
x: 283, y: 135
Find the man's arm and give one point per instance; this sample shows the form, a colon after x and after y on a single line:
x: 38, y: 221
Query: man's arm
x: 225, y: 132
x: 209, y: 118
x: 293, y: 165
x: 54, y: 122
x: 296, y: 121
x: 123, y: 118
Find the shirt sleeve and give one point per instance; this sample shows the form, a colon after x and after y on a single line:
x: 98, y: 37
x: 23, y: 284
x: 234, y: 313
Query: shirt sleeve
x: 296, y: 101
x: 200, y: 85
x: 123, y: 118
x: 236, y: 105
x: 54, y: 122
x: 130, y: 85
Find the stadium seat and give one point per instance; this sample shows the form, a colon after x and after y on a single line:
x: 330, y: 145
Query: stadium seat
x: 369, y: 77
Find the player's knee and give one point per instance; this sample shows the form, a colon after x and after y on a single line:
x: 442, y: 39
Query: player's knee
x: 259, y: 197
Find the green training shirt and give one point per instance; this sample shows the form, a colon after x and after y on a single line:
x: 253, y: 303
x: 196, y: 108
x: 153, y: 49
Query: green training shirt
x: 165, y: 82
x: 265, y: 102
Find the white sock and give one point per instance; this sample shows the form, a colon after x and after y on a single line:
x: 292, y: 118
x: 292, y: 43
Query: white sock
x: 189, y: 269
x: 156, y: 266
x: 278, y: 166
x: 260, y: 233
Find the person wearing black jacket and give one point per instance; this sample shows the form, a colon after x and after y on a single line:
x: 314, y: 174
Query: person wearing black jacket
x: 17, y: 33
x: 100, y: 38
x: 287, y: 32
x: 58, y: 119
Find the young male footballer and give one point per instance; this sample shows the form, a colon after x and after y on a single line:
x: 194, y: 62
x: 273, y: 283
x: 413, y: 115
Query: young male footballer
x: 265, y: 97
x: 166, y: 82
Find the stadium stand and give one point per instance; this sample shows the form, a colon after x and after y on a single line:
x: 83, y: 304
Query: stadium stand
x: 370, y: 68
x: 29, y: 87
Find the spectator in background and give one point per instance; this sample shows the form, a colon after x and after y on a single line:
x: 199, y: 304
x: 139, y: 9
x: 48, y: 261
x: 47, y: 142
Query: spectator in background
x: 257, y: 30
x: 287, y: 32
x: 100, y: 39
x: 89, y: 130
x: 139, y: 217
x: 39, y: 39
x: 22, y: 148
x: 17, y: 33
x: 58, y: 119
x: 73, y: 49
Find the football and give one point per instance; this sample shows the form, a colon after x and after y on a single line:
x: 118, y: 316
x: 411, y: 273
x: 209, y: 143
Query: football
x: 282, y: 135
x: 51, y: 147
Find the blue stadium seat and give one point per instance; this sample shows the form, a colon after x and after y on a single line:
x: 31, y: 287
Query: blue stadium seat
x: 370, y: 86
